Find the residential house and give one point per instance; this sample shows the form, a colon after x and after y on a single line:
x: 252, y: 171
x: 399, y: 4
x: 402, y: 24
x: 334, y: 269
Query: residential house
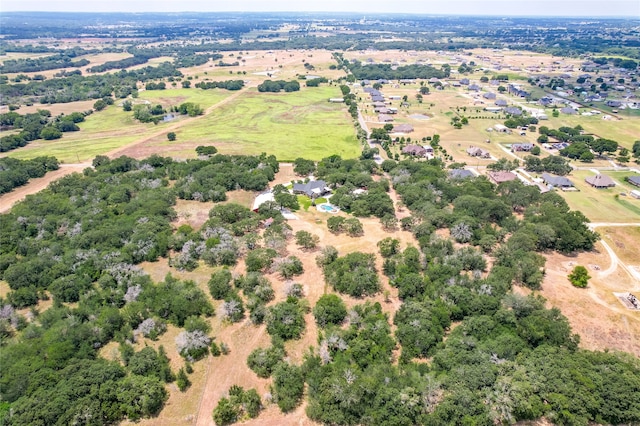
x: 502, y: 176
x: 600, y: 181
x: 501, y: 128
x: 464, y: 81
x: 312, y: 189
x: 614, y: 104
x: 515, y: 111
x: 501, y: 103
x: 403, y: 128
x: 517, y: 91
x: 415, y: 150
x: 384, y: 118
x: 556, y: 181
x: 489, y: 95
x: 568, y: 110
x: 521, y: 147
x: 460, y: 174
x: 474, y: 151
x: 634, y: 180
x: 474, y: 87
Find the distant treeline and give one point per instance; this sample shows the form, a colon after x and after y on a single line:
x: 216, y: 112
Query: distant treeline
x: 36, y: 126
x: 229, y: 85
x: 121, y: 63
x: 41, y: 64
x: 81, y: 88
x: 14, y: 173
x: 386, y: 71
x: 279, y: 85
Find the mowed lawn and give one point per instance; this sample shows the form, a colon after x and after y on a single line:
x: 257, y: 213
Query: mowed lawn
x: 113, y: 128
x: 601, y: 205
x: 287, y: 125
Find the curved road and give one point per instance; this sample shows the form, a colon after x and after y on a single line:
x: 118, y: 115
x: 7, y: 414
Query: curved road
x: 615, y: 260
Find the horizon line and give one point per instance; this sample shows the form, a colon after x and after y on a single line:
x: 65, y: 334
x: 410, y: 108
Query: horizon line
x: 364, y: 13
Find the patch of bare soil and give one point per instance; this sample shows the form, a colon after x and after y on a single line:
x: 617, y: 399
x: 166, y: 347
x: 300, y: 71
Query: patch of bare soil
x: 594, y: 313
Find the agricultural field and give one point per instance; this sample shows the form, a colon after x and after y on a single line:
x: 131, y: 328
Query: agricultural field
x: 288, y: 125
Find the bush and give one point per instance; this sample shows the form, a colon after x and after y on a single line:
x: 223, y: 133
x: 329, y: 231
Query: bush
x: 171, y: 136
x: 306, y: 240
x: 288, y: 267
x: 286, y: 320
x: 330, y: 309
x: 579, y: 277
x: 354, y: 274
x: 263, y: 361
x: 220, y: 284
x: 288, y: 386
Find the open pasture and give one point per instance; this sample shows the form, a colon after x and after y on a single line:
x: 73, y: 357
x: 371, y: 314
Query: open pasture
x: 601, y: 205
x: 113, y: 128
x: 288, y: 125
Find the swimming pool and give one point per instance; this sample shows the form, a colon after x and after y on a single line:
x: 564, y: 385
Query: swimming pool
x: 327, y: 208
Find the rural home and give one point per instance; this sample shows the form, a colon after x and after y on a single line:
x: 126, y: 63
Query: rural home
x: 312, y: 189
x: 499, y: 177
x: 489, y: 95
x: 474, y: 151
x: 521, y: 147
x: 384, y: 118
x: 600, y: 181
x: 634, y: 180
x: 501, y: 128
x: 415, y: 150
x: 515, y: 111
x: 501, y: 102
x: 402, y: 128
x: 460, y: 174
x: 556, y: 181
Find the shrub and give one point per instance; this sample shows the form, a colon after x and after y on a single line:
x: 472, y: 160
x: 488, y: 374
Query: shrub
x: 285, y: 320
x: 579, y: 277
x: 263, y: 361
x: 330, y: 309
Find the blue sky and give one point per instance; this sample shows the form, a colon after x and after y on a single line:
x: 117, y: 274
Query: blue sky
x: 625, y: 8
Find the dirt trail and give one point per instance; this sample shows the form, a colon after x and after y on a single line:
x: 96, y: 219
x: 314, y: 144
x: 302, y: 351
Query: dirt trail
x: 35, y: 185
x: 615, y: 260
x: 181, y: 123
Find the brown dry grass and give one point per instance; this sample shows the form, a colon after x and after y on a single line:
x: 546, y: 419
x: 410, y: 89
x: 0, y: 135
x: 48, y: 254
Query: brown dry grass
x: 625, y: 241
x: 594, y: 313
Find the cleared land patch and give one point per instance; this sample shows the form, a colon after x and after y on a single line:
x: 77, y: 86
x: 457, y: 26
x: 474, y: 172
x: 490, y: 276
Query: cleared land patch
x: 288, y: 125
x: 114, y: 128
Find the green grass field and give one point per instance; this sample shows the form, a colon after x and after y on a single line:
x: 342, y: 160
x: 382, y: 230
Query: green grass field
x: 288, y: 125
x: 601, y: 205
x: 113, y: 128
